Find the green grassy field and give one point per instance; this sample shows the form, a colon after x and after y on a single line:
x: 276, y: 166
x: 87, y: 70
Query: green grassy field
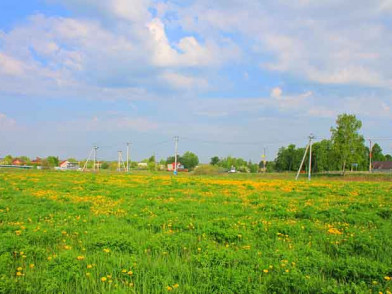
x: 76, y: 232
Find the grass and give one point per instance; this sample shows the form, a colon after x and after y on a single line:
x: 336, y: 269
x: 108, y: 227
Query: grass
x: 65, y: 232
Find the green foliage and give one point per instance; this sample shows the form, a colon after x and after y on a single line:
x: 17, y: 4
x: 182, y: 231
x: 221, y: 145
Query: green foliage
x: 8, y: 160
x: 52, y: 161
x: 214, y: 160
x: 189, y: 160
x: 207, y: 169
x: 105, y: 165
x: 347, y: 142
x: 377, y: 153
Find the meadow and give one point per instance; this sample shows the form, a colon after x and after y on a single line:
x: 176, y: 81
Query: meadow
x: 73, y: 232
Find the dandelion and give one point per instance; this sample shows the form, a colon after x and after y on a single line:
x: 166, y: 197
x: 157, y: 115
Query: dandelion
x: 88, y: 274
x: 103, y: 279
x: 19, y: 269
x: 19, y: 274
x: 67, y: 247
x: 124, y: 270
x: 168, y: 288
x: 265, y: 271
x: 18, y: 232
x: 31, y: 265
x: 49, y: 258
x: 175, y: 286
x: 387, y: 278
x: 89, y: 266
x: 106, y: 250
x: 130, y: 273
x: 80, y: 257
x: 130, y: 284
x: 109, y: 276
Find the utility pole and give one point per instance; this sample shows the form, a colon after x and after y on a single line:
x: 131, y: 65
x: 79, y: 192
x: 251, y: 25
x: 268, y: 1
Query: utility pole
x: 95, y: 157
x: 128, y: 143
x: 176, y: 138
x: 264, y: 162
x: 88, y: 158
x: 308, y: 146
x: 311, y: 137
x: 370, y: 155
x: 120, y: 161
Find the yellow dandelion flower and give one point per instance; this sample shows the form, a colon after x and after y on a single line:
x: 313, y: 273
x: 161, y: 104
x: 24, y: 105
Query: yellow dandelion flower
x: 80, y: 257
x: 24, y: 256
x: 110, y: 281
x: 130, y: 273
x: 89, y: 266
x: 175, y: 286
x: 67, y: 247
x: 88, y: 274
x: 19, y: 269
x: 31, y: 265
x: 265, y: 270
x: 387, y: 278
x: 106, y: 250
x: 103, y: 279
x: 49, y: 258
x: 18, y: 232
x: 124, y: 270
x: 19, y: 274
x: 168, y: 288
x: 130, y: 284
x: 21, y: 253
x: 109, y: 276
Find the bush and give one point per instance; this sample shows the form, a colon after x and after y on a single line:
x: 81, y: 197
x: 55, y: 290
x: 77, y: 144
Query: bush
x: 207, y: 169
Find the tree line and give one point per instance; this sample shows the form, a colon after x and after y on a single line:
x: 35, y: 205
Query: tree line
x: 346, y: 149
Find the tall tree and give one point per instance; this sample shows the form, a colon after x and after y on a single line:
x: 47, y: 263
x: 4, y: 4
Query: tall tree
x: 189, y: 160
x: 214, y: 160
x: 346, y: 141
x: 377, y: 153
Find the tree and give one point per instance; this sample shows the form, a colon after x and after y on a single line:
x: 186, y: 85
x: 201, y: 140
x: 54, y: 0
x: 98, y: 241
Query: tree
x: 189, y: 160
x: 52, y: 161
x: 8, y: 160
x: 104, y: 165
x: 388, y: 157
x: 377, y: 153
x: 214, y: 160
x: 347, y: 142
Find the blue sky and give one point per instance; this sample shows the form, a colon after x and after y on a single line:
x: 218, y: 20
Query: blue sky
x: 229, y: 77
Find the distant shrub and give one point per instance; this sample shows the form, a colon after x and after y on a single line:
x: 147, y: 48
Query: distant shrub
x: 207, y: 169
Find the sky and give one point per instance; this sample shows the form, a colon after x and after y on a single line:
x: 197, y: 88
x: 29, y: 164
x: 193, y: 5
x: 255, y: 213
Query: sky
x: 229, y: 77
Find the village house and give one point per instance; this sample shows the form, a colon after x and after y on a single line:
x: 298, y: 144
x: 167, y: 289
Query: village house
x: 382, y: 166
x: 68, y: 165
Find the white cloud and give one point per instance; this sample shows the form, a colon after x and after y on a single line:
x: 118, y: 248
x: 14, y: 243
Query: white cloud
x: 10, y: 66
x: 180, y: 81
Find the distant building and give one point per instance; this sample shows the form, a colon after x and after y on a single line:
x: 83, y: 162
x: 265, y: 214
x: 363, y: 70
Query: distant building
x: 171, y: 166
x: 385, y: 166
x: 37, y: 161
x: 18, y: 161
x: 142, y: 164
x: 68, y: 165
